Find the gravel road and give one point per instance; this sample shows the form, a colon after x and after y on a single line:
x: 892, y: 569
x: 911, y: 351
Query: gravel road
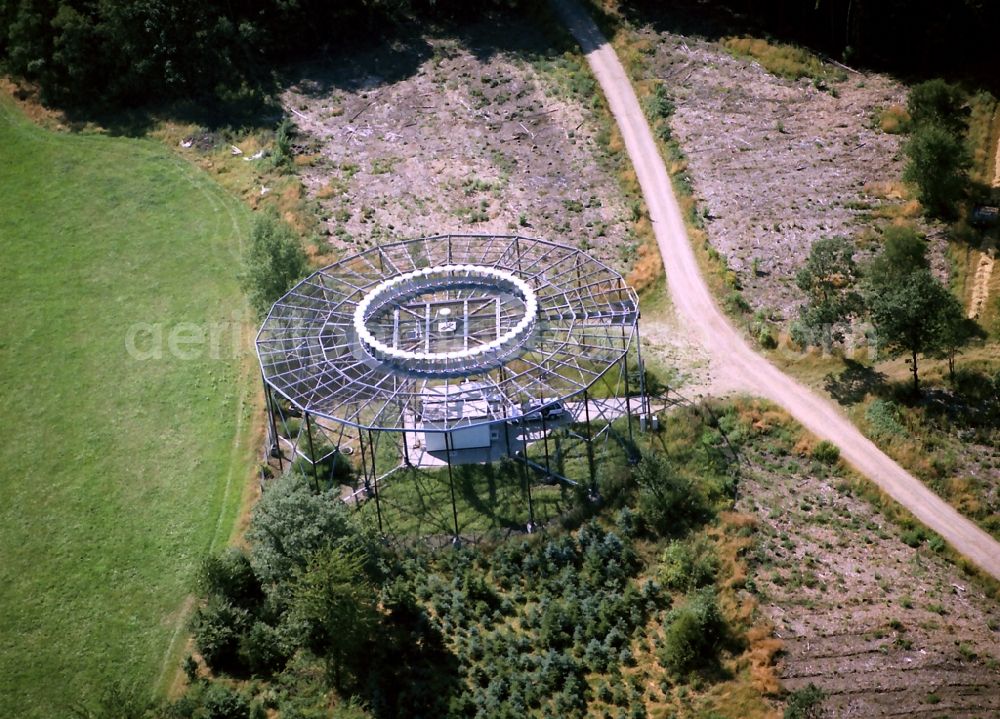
x: 733, y: 358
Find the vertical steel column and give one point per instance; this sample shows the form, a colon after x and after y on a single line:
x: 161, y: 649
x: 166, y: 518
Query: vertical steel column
x: 364, y: 460
x: 506, y: 430
x: 451, y: 483
x: 378, y: 506
x: 527, y: 482
x: 643, y: 397
x: 628, y: 401
x: 590, y: 441
x: 269, y: 402
x: 312, y: 451
x: 545, y: 441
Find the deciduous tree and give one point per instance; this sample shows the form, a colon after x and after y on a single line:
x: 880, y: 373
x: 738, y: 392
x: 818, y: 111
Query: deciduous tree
x: 828, y: 278
x: 910, y: 313
x: 937, y: 162
x: 936, y: 102
x: 335, y: 605
x: 272, y: 263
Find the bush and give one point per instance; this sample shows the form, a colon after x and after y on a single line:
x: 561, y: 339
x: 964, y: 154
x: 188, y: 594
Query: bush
x: 334, y: 607
x: 230, y: 577
x: 687, y: 565
x: 263, y: 650
x: 668, y: 502
x: 735, y: 303
x: 804, y: 703
x: 938, y: 103
x: 291, y: 523
x: 884, y: 419
x: 221, y: 702
x: 217, y: 628
x: 693, y: 635
x: 282, y: 157
x: 272, y: 263
x: 764, y: 335
x: 937, y: 162
x: 658, y: 105
x: 826, y: 452
x: 914, y: 536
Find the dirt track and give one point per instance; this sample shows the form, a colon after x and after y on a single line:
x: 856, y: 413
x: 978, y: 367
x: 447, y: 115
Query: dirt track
x: 733, y: 357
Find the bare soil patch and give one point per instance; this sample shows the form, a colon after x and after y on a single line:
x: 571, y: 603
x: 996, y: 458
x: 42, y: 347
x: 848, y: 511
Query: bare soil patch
x: 779, y: 163
x: 454, y: 134
x: 885, y: 629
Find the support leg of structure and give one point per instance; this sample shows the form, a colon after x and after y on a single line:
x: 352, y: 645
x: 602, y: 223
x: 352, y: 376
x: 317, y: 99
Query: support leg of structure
x: 364, y: 462
x: 545, y: 443
x: 312, y: 451
x: 506, y: 430
x: 628, y: 408
x: 269, y: 402
x: 590, y: 447
x: 378, y: 506
x: 451, y: 483
x: 527, y: 480
x: 644, y: 404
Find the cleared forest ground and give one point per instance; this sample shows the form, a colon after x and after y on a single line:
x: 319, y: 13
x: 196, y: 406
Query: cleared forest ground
x: 884, y: 628
x: 780, y: 163
x: 456, y: 134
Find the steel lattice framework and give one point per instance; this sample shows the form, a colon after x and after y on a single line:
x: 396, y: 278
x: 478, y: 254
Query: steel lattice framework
x: 411, y: 332
x: 454, y: 349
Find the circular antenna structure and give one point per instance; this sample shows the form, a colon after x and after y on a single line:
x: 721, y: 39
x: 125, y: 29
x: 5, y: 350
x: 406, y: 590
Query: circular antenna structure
x: 412, y: 356
x: 449, y: 331
x: 491, y: 342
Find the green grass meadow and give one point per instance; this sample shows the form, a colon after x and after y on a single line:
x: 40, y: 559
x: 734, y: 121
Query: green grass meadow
x: 119, y: 471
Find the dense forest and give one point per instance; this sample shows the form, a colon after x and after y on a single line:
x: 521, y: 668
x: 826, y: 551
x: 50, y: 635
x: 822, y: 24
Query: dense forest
x: 911, y: 37
x: 87, y: 52
x: 123, y: 53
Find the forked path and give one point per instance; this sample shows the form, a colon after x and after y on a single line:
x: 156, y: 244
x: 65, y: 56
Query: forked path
x: 734, y: 358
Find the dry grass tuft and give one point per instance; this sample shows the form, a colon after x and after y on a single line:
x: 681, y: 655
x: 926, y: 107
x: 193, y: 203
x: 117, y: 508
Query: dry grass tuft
x: 782, y: 60
x: 28, y: 102
x: 326, y: 191
x: 911, y: 209
x: 762, y: 655
x: 760, y: 417
x: 616, y: 144
x: 887, y: 189
x: 804, y: 447
x: 647, y: 269
x: 894, y: 120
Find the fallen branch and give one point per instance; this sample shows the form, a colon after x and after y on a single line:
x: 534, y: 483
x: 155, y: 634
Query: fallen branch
x: 845, y: 67
x: 540, y: 114
x: 362, y: 110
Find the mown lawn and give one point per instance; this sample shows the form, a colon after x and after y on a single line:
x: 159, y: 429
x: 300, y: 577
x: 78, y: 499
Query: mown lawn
x: 119, y: 471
